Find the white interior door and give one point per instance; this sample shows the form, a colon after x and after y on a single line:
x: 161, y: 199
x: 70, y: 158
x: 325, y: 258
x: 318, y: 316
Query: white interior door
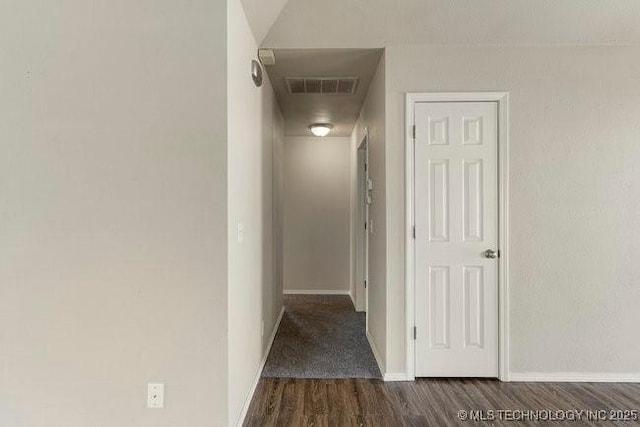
x: 456, y: 214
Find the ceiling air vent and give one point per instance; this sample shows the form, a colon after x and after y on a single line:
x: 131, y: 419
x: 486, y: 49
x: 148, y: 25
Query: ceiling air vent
x: 321, y: 85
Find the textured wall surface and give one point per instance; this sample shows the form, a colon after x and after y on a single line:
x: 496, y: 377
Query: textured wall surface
x: 316, y: 213
x: 113, y: 264
x: 255, y: 130
x: 575, y: 193
x: 372, y: 119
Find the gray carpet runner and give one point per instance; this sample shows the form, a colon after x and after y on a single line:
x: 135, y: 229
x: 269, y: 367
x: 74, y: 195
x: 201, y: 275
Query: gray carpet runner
x: 321, y: 336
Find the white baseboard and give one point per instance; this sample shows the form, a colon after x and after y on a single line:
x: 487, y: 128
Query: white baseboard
x: 315, y: 292
x: 376, y: 355
x: 247, y: 402
x: 386, y: 376
x: 396, y: 376
x: 577, y: 377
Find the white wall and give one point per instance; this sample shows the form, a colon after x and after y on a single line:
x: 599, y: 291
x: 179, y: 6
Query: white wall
x: 255, y: 129
x: 372, y: 118
x: 316, y: 213
x: 113, y: 263
x: 574, y: 196
x: 273, y: 303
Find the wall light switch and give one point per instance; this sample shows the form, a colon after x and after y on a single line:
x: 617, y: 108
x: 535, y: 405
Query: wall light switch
x: 155, y: 395
x: 240, y: 232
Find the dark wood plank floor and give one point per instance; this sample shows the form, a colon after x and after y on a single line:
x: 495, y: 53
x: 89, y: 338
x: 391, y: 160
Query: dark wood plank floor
x: 430, y: 402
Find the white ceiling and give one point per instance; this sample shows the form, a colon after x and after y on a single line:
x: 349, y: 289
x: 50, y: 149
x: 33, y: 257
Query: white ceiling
x: 379, y: 23
x: 340, y: 110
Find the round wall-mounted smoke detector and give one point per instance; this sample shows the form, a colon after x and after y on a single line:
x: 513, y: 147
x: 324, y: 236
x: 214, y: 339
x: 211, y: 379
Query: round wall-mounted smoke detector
x: 256, y: 73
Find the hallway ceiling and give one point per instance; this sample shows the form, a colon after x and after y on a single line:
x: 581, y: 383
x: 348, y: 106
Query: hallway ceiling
x: 379, y: 23
x: 300, y: 110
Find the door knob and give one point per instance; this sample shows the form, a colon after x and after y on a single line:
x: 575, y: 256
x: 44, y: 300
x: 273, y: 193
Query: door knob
x: 490, y: 253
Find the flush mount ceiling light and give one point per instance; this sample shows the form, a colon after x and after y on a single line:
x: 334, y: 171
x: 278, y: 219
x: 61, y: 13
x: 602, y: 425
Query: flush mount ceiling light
x: 320, y: 129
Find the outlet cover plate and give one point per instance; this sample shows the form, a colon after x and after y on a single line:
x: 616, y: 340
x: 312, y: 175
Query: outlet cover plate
x: 155, y: 395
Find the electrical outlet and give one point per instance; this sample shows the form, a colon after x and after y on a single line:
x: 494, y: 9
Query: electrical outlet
x: 155, y: 395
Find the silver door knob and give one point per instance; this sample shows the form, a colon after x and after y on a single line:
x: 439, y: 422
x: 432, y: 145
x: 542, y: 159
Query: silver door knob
x: 490, y: 253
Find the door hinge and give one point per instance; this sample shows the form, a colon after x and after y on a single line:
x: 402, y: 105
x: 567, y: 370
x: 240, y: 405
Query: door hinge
x: 415, y: 333
x: 365, y: 167
x: 413, y: 231
x: 499, y: 253
x: 365, y: 225
x: 414, y: 131
x: 365, y: 283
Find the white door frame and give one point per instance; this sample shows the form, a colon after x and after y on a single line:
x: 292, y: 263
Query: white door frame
x: 502, y: 100
x: 362, y: 193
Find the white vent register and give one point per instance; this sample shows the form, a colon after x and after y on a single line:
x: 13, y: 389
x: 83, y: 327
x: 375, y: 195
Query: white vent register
x: 321, y: 85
